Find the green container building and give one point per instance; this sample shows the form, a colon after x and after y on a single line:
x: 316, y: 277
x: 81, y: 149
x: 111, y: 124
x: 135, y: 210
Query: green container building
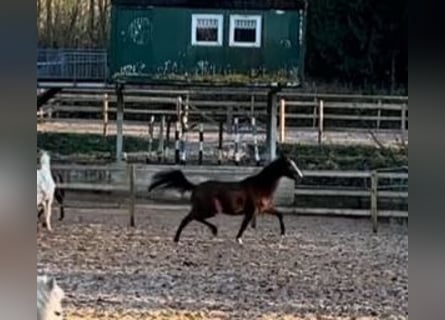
x: 217, y: 42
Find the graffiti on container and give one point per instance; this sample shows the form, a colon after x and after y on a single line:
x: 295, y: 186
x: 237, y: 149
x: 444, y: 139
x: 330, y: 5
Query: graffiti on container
x: 138, y: 67
x: 140, y: 30
x: 168, y: 67
x: 204, y: 67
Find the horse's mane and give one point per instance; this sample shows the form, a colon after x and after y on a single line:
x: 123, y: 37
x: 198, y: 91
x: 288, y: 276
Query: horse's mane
x: 268, y: 176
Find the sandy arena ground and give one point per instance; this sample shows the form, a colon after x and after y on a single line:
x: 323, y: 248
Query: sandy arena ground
x: 325, y: 268
x: 293, y: 135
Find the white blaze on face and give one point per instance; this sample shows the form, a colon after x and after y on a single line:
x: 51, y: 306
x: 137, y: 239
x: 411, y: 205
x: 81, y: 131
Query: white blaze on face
x: 294, y: 166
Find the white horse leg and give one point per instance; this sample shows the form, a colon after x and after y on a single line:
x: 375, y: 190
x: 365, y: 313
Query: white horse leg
x: 48, y: 211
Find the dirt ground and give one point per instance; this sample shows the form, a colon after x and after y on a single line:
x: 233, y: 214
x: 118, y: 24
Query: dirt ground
x: 325, y: 268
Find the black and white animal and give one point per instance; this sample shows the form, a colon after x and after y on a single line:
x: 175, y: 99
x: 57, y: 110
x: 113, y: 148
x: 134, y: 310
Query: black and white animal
x: 59, y: 195
x: 45, y: 187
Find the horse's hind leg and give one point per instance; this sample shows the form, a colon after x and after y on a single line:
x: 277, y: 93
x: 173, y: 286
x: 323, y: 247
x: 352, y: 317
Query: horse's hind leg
x: 248, y: 214
x: 59, y: 195
x: 188, y: 218
x: 48, y: 211
x: 253, y: 222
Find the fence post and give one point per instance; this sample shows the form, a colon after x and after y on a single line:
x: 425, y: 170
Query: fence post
x: 374, y: 208
x: 236, y: 149
x: 314, y: 118
x: 320, y: 121
x: 403, y: 124
x: 379, y: 113
x: 185, y: 115
x: 119, y: 122
x: 282, y: 120
x: 105, y: 115
x: 167, y: 141
x: 132, y: 194
x: 177, y: 142
x: 220, y: 141
x: 161, y: 155
x: 183, y: 154
x: 229, y: 119
x: 252, y: 105
x: 178, y: 107
x: 255, y: 141
x: 201, y: 142
x: 150, y: 138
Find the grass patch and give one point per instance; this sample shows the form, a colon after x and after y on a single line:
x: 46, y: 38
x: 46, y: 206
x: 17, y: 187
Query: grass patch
x: 330, y: 157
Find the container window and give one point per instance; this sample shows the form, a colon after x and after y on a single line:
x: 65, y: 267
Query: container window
x: 245, y: 31
x: 207, y: 30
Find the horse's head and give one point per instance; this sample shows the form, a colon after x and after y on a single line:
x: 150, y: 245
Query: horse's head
x: 49, y: 298
x: 289, y: 168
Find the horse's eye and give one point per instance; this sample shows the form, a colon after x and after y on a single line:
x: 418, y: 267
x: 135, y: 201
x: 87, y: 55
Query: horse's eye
x: 57, y: 313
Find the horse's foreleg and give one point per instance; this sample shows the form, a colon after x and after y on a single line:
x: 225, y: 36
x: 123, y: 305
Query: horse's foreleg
x: 48, y: 211
x: 279, y: 215
x: 183, y: 224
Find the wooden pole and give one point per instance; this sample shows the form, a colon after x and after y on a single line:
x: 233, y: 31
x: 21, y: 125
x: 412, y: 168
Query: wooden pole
x: 150, y: 138
x: 282, y: 120
x: 167, y: 141
x: 229, y: 122
x: 220, y: 141
x: 403, y: 119
x: 105, y: 114
x: 374, y: 209
x: 255, y: 141
x: 379, y: 113
x: 132, y: 194
x: 320, y: 121
x: 271, y: 130
x: 179, y: 108
x: 177, y: 128
x: 161, y: 148
x: 201, y: 143
x: 252, y: 105
x: 236, y: 154
x: 119, y: 122
x: 314, y: 118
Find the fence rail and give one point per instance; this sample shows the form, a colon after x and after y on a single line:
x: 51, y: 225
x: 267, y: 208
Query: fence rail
x: 322, y: 113
x: 126, y: 178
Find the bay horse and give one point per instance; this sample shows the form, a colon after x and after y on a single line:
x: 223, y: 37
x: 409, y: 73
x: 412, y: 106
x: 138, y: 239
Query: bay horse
x: 247, y: 197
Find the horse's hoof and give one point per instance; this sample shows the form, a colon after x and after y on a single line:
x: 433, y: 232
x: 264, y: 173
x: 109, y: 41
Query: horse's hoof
x: 215, y: 232
x: 240, y: 241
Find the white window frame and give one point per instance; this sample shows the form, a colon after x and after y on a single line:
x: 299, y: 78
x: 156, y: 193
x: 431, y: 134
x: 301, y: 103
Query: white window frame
x: 218, y: 17
x: 257, y: 43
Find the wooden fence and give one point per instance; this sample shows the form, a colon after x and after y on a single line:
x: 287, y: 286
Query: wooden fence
x: 321, y: 112
x: 132, y: 179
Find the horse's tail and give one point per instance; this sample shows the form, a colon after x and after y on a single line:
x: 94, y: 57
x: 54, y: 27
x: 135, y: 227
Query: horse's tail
x: 172, y: 179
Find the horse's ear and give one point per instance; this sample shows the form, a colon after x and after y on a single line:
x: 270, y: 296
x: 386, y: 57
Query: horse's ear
x: 52, y: 283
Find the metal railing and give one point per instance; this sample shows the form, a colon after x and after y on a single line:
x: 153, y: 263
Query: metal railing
x: 72, y: 64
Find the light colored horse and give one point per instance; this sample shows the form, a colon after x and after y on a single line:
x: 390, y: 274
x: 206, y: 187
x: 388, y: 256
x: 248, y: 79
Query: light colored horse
x: 49, y: 299
x: 45, y: 188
